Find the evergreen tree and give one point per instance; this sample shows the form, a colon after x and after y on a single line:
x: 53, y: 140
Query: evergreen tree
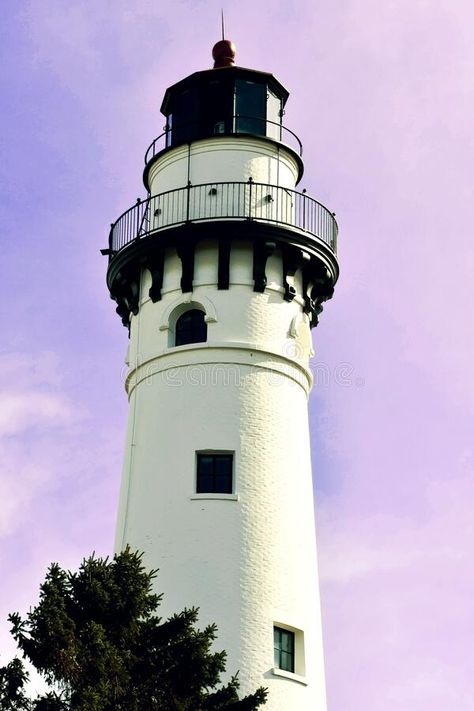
x: 12, y: 681
x: 96, y: 639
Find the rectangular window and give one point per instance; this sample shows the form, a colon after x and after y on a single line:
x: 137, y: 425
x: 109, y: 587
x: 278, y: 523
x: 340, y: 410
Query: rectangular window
x: 284, y: 649
x: 214, y: 473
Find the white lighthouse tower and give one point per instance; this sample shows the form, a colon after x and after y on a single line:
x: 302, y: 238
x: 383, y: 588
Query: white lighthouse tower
x: 219, y: 275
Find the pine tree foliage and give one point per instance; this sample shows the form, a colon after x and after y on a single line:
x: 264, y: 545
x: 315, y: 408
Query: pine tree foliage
x: 12, y: 681
x: 96, y: 639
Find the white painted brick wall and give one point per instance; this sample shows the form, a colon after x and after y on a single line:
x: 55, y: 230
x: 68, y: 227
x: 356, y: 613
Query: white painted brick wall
x: 245, y: 563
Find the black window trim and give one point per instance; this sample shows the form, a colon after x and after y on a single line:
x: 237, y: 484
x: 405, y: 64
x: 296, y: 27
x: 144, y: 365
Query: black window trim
x: 217, y: 454
x: 202, y: 325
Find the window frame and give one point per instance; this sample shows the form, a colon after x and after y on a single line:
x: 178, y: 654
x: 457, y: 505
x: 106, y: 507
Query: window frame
x: 299, y: 664
x: 216, y: 454
x: 278, y: 650
x: 186, y: 312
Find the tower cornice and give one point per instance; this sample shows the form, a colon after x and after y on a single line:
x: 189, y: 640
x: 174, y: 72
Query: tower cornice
x: 300, y: 250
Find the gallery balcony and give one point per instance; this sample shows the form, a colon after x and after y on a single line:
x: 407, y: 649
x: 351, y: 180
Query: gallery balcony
x: 237, y: 202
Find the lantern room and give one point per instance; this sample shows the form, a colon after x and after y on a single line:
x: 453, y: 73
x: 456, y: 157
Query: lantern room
x: 225, y: 100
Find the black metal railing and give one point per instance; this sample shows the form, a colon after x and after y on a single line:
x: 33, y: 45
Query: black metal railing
x: 224, y: 201
x: 247, y: 125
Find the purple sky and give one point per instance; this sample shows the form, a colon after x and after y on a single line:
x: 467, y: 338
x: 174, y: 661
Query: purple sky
x: 382, y: 96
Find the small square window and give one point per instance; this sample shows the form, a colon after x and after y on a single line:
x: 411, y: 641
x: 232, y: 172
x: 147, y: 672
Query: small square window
x: 284, y: 649
x: 214, y: 473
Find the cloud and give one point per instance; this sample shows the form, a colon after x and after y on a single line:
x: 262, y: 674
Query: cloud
x: 31, y: 395
x: 33, y: 407
x: 24, y: 410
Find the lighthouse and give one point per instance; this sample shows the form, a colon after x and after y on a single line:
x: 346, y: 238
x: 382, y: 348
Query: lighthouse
x: 219, y: 274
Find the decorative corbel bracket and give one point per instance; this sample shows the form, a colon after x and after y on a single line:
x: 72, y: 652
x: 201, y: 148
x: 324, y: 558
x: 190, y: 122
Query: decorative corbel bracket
x: 261, y: 252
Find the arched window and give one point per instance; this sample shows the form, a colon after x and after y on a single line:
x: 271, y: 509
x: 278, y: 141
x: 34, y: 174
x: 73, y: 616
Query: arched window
x: 191, y: 328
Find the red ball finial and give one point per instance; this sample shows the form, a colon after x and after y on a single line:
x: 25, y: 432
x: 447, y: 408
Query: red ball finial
x: 223, y: 54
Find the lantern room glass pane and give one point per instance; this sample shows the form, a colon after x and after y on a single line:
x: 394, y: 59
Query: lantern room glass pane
x: 217, y: 108
x: 185, y: 117
x: 273, y: 116
x: 250, y: 107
